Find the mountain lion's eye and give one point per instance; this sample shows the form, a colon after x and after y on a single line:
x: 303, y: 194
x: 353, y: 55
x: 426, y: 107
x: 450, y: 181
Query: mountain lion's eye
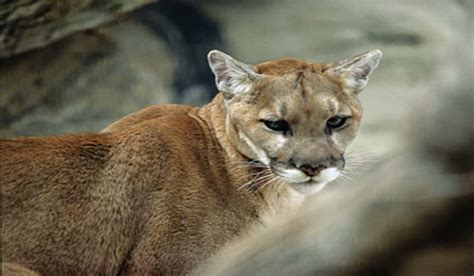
x: 278, y: 125
x: 336, y: 122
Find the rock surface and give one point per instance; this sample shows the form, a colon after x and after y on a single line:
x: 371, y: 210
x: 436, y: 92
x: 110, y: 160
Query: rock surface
x: 26, y: 24
x: 84, y: 82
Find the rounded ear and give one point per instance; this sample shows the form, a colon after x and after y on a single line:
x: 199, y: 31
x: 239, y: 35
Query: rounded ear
x: 232, y: 76
x: 355, y: 71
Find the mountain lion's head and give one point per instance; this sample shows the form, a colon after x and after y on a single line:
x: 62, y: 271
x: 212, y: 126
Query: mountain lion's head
x: 295, y: 117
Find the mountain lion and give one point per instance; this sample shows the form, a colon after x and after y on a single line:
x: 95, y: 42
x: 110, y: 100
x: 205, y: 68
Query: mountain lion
x: 160, y: 190
x: 411, y: 214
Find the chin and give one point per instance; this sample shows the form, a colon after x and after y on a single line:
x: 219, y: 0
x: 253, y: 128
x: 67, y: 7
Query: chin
x: 308, y: 188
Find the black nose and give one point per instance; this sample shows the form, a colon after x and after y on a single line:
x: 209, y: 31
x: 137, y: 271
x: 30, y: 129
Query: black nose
x: 312, y: 171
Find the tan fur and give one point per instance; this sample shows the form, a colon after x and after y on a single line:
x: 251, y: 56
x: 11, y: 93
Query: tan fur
x: 11, y: 269
x: 160, y: 190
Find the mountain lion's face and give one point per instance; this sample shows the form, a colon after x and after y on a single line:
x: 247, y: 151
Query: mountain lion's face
x: 296, y: 118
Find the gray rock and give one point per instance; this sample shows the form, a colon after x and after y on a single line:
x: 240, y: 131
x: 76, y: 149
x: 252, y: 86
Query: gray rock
x: 26, y: 24
x: 84, y: 82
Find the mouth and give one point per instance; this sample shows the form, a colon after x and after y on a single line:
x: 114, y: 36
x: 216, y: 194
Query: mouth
x: 303, y: 183
x: 310, y: 182
x: 309, y: 187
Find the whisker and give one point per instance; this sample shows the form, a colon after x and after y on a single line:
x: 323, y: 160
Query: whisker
x: 267, y: 183
x: 345, y: 179
x: 243, y: 165
x: 252, y: 177
x: 344, y: 176
x: 261, y: 176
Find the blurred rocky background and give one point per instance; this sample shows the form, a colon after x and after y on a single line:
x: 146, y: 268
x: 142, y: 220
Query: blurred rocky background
x: 84, y: 64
